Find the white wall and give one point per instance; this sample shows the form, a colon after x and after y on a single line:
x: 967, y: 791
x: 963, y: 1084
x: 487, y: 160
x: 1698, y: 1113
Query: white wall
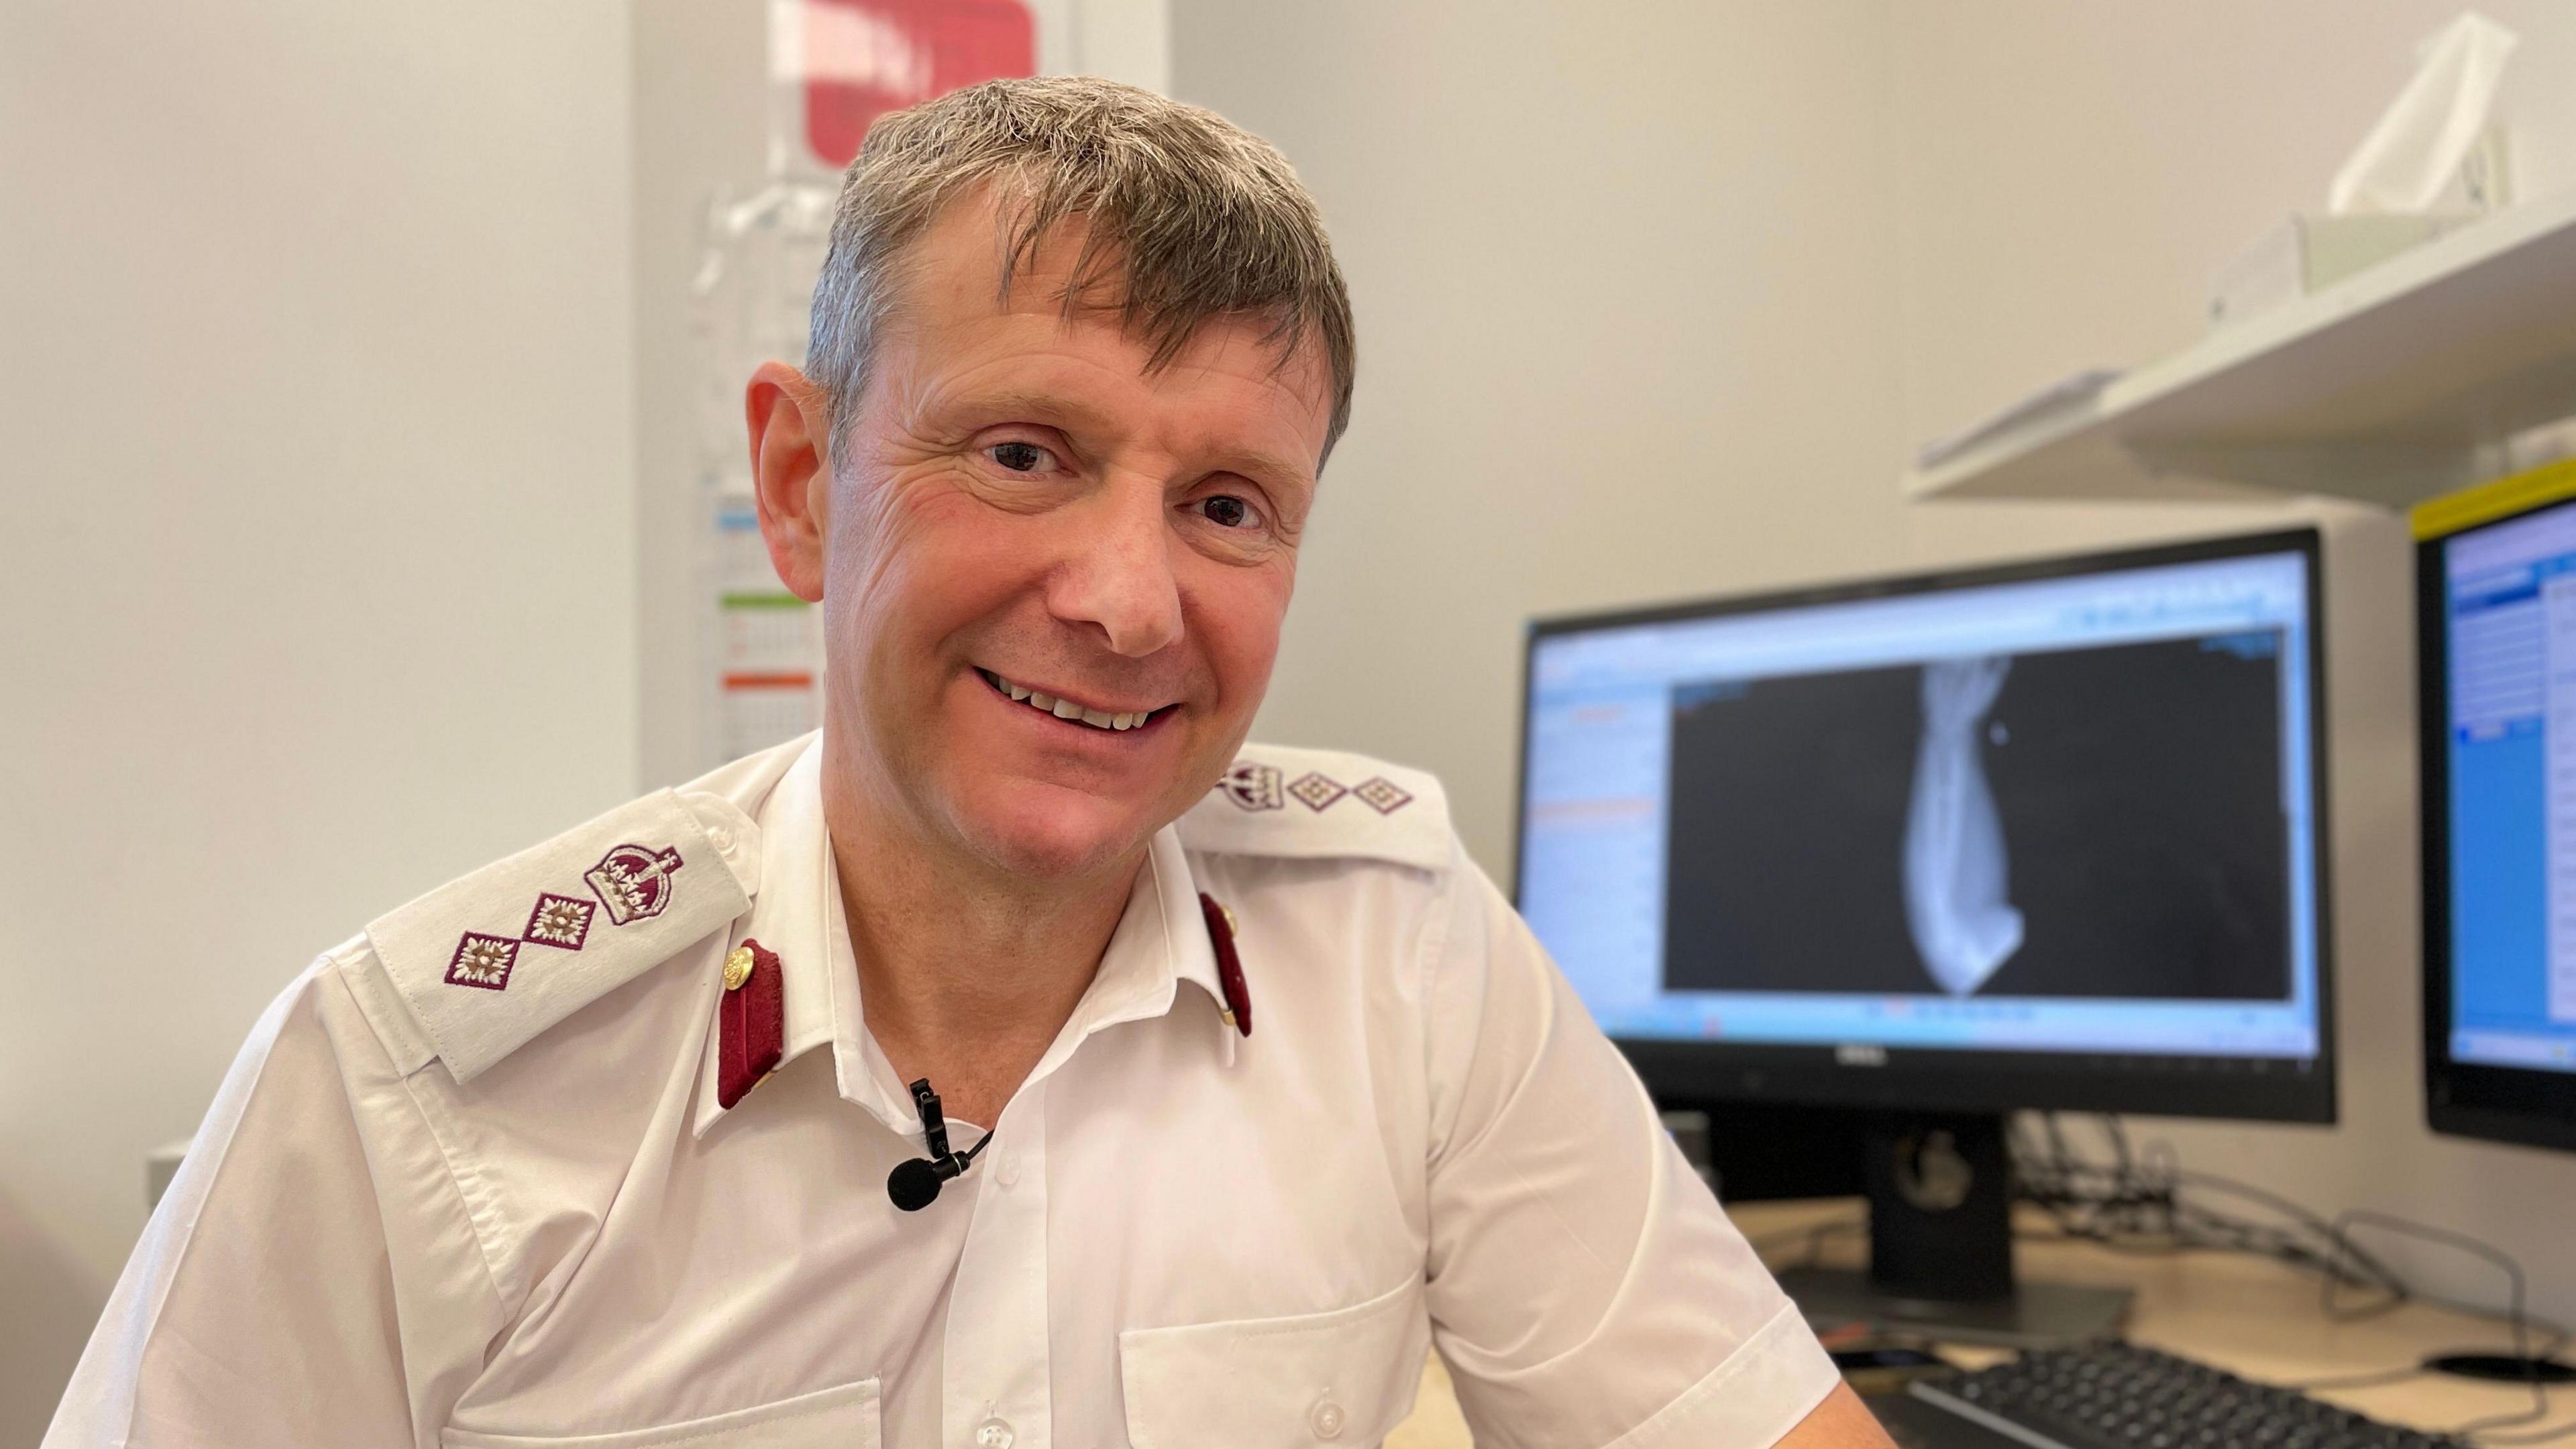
x: 1655, y: 297
x: 316, y: 537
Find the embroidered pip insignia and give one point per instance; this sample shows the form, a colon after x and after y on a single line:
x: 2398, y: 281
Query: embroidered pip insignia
x: 1382, y: 795
x: 633, y: 881
x: 483, y: 961
x: 1316, y: 790
x: 559, y: 921
x: 1252, y: 786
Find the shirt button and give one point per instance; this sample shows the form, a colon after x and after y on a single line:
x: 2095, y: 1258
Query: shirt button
x: 1325, y: 1419
x: 993, y: 1434
x: 1007, y: 1171
x: 721, y: 839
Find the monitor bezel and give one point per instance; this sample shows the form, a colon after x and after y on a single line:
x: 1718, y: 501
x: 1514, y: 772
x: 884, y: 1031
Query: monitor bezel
x: 2523, y: 1106
x: 1931, y: 1079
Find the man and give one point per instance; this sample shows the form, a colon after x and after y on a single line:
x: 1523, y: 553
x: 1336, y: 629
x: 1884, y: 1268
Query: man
x: 495, y: 1172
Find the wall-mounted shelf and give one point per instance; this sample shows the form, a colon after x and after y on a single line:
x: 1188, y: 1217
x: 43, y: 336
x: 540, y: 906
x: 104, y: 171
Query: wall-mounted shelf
x: 2382, y: 387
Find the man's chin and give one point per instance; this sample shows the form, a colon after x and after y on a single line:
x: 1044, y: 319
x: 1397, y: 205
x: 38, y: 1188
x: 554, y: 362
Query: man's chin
x: 1063, y: 840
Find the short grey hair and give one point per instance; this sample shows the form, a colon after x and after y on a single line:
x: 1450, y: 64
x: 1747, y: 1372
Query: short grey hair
x: 1192, y: 217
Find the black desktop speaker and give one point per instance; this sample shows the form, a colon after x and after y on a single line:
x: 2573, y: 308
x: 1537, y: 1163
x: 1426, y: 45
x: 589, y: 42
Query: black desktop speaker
x: 1939, y: 1187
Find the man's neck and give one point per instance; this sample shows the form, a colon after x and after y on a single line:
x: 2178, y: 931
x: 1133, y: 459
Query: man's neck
x: 966, y: 973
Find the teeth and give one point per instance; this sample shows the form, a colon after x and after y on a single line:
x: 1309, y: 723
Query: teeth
x: 1067, y: 709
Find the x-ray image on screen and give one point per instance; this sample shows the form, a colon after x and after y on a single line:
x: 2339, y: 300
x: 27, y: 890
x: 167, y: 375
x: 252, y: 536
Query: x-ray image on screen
x: 2082, y: 822
x: 1957, y: 877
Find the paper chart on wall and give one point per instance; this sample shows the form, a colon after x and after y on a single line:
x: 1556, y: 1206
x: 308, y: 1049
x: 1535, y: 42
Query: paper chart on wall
x: 768, y: 647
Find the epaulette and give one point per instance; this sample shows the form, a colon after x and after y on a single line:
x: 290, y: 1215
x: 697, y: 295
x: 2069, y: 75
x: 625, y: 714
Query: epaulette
x: 1321, y: 804
x: 487, y: 961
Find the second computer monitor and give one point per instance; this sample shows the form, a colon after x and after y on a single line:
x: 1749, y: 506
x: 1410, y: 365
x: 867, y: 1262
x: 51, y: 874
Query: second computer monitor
x: 2496, y: 614
x: 2039, y: 836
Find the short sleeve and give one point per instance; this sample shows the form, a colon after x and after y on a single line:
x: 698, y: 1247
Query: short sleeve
x: 1585, y: 1288
x: 311, y: 1276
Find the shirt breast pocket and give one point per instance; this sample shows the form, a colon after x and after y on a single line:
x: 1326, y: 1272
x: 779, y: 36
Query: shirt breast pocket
x: 841, y: 1418
x: 1343, y: 1377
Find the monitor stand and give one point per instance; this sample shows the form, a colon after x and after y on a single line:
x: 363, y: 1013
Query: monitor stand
x: 1940, y: 1248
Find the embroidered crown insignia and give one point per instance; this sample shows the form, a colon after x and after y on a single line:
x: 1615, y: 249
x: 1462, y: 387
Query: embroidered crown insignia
x: 1252, y: 785
x: 633, y: 881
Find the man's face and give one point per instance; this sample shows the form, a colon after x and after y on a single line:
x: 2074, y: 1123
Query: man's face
x: 1022, y: 516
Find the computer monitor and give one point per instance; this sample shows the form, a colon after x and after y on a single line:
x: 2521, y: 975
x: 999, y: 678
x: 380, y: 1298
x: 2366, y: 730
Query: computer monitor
x: 2496, y: 626
x: 2048, y: 835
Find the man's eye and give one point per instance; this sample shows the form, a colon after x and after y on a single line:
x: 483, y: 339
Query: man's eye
x: 1018, y: 457
x: 1227, y: 511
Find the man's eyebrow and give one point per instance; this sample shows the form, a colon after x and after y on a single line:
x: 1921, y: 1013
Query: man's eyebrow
x: 1023, y: 402
x: 1265, y: 466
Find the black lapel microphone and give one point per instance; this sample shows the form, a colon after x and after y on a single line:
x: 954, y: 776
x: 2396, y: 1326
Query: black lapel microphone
x: 915, y: 1185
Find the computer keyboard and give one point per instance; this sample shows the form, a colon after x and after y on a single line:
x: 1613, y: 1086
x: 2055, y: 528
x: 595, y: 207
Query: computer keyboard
x: 2121, y: 1396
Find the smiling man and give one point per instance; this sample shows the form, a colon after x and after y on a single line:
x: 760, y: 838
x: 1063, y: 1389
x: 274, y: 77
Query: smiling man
x: 495, y: 1172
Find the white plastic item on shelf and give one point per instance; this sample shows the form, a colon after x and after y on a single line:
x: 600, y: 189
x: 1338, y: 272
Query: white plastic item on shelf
x: 2433, y: 162
x: 2309, y: 253
x: 2414, y: 155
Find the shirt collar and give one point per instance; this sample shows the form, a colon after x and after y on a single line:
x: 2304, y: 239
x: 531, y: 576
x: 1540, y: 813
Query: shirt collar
x: 1161, y: 940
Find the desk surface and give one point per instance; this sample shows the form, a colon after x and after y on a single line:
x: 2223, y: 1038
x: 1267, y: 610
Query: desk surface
x: 2250, y: 1315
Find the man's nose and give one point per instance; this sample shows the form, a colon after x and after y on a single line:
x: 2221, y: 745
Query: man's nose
x: 1118, y: 573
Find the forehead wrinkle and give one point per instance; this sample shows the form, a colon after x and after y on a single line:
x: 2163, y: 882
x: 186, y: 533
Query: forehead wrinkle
x: 1067, y: 268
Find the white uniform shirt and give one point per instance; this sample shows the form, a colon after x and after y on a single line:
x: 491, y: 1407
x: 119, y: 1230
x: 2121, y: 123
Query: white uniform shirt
x: 456, y: 1194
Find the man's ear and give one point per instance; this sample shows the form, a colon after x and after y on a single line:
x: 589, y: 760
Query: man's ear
x: 789, y: 418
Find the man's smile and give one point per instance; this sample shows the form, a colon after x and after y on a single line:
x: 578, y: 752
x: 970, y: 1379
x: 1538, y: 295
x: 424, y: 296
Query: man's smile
x: 1077, y: 712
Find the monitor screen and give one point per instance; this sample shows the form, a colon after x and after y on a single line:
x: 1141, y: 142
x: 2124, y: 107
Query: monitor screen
x: 2499, y: 609
x: 2058, y: 818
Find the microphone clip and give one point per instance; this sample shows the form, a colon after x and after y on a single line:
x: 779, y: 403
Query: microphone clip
x: 915, y: 1184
